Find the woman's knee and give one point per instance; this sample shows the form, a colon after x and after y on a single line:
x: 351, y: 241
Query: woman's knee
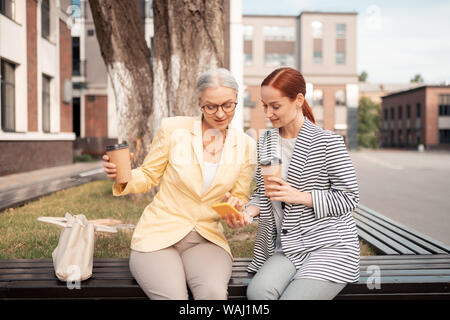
x: 210, y: 292
x: 260, y: 290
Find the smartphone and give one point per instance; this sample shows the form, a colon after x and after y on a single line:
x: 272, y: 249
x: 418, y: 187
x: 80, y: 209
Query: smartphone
x: 226, y: 210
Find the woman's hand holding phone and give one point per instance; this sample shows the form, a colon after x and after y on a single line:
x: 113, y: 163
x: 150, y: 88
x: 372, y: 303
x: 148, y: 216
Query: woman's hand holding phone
x: 244, y: 219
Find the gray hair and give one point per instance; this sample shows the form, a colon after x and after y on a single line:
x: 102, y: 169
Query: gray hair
x: 217, y: 78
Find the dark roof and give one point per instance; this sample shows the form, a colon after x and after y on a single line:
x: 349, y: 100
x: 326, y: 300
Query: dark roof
x: 415, y: 89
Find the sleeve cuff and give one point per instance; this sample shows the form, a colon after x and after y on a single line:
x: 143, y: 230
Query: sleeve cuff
x: 319, y: 203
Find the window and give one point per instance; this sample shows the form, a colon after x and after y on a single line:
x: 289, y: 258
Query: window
x: 248, y: 33
x: 444, y: 136
x: 76, y: 68
x: 317, y: 50
x: 7, y: 95
x: 444, y: 105
x: 340, y: 30
x: 278, y: 60
x: 317, y: 97
x: 248, y: 99
x: 45, y: 18
x: 408, y: 111
x: 400, y: 112
x: 90, y: 32
x: 340, y: 57
x: 279, y: 33
x: 386, y: 114
x: 339, y: 97
x: 317, y: 29
x: 340, y: 51
x: 46, y: 103
x: 76, y: 13
x: 7, y: 8
x: 392, y: 113
x: 248, y: 59
x: 318, y: 57
x: 418, y: 111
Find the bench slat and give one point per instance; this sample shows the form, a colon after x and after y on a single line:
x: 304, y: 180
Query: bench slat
x: 415, y: 244
x: 433, y: 242
x: 387, y: 240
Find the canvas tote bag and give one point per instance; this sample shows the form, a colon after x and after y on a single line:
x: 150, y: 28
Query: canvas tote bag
x: 73, y: 257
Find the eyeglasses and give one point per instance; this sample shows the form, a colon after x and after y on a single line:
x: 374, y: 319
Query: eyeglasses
x: 226, y: 107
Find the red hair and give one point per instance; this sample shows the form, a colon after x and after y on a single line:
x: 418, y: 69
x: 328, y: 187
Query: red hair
x: 290, y: 82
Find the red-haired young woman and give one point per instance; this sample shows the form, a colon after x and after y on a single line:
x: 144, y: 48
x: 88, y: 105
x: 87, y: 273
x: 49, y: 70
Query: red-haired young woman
x: 307, y: 244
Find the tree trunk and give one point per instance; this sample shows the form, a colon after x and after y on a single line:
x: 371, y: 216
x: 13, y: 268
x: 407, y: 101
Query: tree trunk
x: 188, y: 40
x: 127, y: 59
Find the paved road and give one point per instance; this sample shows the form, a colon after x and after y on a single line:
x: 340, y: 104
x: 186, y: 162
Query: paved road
x: 410, y: 187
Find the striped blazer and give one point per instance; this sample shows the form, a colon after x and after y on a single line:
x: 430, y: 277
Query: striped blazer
x: 322, y: 241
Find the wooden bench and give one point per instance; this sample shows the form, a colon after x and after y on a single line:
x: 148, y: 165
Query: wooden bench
x: 402, y: 277
x: 391, y: 237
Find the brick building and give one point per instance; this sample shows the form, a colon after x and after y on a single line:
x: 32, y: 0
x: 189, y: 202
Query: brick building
x: 418, y: 115
x: 35, y: 96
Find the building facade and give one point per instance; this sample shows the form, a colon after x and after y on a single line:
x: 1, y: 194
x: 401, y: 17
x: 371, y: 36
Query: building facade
x: 322, y: 45
x: 35, y: 97
x: 417, y: 116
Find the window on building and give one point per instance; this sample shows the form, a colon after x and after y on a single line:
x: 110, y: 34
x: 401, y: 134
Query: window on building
x: 279, y: 33
x: 444, y: 105
x: 408, y: 111
x: 248, y: 59
x: 46, y: 81
x: 248, y: 102
x: 340, y: 30
x: 317, y: 97
x: 279, y: 60
x: 248, y: 33
x: 340, y: 57
x: 444, y: 136
x: 7, y: 95
x: 339, y: 97
x: 386, y: 114
x: 76, y: 67
x: 76, y: 9
x: 90, y: 32
x: 317, y: 29
x: 418, y: 110
x: 45, y: 18
x: 392, y: 113
x: 317, y: 50
x: 7, y: 8
x: 400, y: 112
x: 340, y: 51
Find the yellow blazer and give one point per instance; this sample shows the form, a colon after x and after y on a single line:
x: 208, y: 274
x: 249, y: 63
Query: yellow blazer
x: 176, y: 162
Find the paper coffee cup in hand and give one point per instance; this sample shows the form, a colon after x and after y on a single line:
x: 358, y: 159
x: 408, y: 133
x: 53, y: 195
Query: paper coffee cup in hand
x: 119, y: 154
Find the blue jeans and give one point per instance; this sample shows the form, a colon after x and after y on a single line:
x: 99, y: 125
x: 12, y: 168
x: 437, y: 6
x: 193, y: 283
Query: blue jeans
x: 274, y: 280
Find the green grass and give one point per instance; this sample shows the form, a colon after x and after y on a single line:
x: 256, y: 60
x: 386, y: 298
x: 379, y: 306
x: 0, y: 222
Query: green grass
x: 23, y: 237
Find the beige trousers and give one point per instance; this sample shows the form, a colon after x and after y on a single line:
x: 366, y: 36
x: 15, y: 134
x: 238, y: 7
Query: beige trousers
x: 163, y: 274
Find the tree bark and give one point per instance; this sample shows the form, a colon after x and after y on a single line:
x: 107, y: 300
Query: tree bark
x: 188, y: 40
x: 127, y: 59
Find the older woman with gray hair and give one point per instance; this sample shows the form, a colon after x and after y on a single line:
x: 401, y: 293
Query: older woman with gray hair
x: 198, y: 161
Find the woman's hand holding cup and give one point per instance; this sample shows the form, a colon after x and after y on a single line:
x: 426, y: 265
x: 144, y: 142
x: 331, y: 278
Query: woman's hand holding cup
x: 110, y: 168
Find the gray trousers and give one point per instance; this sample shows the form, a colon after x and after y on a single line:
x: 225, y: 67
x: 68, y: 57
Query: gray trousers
x: 274, y: 280
x: 195, y: 261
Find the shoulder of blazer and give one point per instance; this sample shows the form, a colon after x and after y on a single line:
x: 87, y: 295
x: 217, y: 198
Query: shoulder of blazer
x: 169, y: 124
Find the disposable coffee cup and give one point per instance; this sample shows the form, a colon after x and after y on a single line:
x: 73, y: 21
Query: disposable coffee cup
x: 271, y: 168
x: 119, y: 154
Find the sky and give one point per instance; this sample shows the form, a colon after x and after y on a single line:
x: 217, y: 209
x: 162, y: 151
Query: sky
x: 396, y: 39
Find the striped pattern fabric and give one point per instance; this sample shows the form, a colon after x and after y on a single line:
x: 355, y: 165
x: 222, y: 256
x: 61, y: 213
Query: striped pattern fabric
x: 322, y: 241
